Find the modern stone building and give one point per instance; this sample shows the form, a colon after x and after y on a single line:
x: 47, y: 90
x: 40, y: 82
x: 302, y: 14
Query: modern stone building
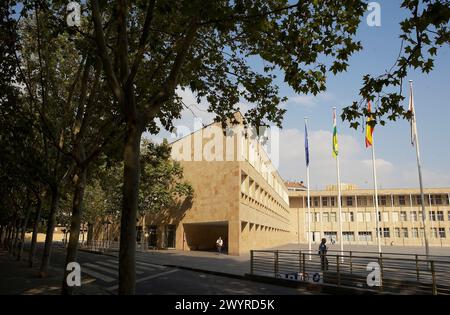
x: 238, y: 195
x: 400, y: 215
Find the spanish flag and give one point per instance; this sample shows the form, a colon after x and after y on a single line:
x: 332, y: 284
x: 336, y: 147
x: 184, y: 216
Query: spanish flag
x: 369, y: 127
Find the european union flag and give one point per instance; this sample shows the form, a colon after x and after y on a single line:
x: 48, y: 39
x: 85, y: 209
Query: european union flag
x: 306, y: 146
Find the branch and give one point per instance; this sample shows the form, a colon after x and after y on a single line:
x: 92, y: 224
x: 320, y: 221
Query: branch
x: 103, y: 51
x: 142, y: 43
x: 168, y: 87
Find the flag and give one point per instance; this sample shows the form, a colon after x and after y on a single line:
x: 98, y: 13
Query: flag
x: 306, y: 146
x: 369, y: 127
x: 413, y: 117
x: 335, y: 139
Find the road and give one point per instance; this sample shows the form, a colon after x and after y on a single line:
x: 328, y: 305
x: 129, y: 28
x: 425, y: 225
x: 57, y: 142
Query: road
x: 152, y: 279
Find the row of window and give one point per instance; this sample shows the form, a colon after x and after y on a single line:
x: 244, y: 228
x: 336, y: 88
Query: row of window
x: 362, y: 201
x: 413, y: 216
x: 386, y: 233
x: 251, y: 188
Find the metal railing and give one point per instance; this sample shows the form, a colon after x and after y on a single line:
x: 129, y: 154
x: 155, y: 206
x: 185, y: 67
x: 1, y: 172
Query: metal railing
x: 398, y: 275
x: 100, y: 246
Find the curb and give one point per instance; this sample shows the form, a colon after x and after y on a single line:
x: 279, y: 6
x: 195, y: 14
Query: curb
x: 215, y: 273
x: 97, y: 252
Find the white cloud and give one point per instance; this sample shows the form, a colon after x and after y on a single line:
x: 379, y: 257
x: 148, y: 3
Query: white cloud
x: 355, y: 163
x: 310, y: 100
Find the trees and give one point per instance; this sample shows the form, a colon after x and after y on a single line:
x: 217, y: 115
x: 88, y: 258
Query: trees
x: 149, y: 48
x: 424, y: 31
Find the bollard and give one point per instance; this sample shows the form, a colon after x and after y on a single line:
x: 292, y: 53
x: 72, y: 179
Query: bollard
x: 417, y: 267
x: 351, y: 263
x: 337, y: 271
x: 433, y: 278
x: 276, y: 264
x: 251, y: 262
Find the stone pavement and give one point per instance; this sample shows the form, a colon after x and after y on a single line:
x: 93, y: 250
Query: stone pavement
x: 17, y: 278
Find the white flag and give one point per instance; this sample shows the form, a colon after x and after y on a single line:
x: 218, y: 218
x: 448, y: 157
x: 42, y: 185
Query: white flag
x: 413, y: 117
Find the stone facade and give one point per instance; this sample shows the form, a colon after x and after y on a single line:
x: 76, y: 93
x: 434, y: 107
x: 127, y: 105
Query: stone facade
x: 400, y: 216
x: 238, y: 195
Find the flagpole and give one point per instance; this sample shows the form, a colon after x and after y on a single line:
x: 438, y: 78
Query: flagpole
x: 377, y: 212
x: 309, y: 195
x: 341, y: 241
x: 419, y: 167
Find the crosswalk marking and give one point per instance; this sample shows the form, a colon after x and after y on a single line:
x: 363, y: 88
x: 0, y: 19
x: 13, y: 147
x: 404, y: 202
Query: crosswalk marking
x: 150, y: 265
x: 143, y: 266
x: 114, y: 266
x: 114, y: 287
x: 101, y: 268
x: 96, y: 274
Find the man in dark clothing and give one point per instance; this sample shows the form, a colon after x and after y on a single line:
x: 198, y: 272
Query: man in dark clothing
x: 323, y: 254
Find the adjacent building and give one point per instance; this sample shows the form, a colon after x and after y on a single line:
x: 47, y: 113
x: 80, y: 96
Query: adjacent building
x: 400, y: 215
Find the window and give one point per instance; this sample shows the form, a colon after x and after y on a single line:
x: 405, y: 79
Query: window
x: 447, y: 198
x: 349, y: 201
x: 316, y: 202
x: 382, y: 200
x: 432, y: 215
x: 351, y: 218
x: 365, y: 236
x: 434, y: 232
x: 403, y: 216
x: 421, y: 233
x: 413, y: 216
x: 348, y: 236
x: 441, y: 232
x: 368, y: 216
x: 330, y: 236
x: 333, y: 201
x: 448, y: 215
x: 317, y: 216
x: 325, y: 201
x: 436, y: 199
x: 385, y: 216
x: 359, y: 217
x: 386, y: 232
x: 333, y: 217
x: 419, y: 200
x: 343, y: 216
x: 405, y: 232
x: 395, y: 216
x: 415, y: 232
x: 401, y: 200
x: 362, y: 201
x: 397, y: 232
x: 326, y: 217
x: 440, y: 215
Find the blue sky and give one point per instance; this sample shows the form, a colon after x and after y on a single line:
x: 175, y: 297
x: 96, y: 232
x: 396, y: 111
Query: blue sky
x: 396, y: 157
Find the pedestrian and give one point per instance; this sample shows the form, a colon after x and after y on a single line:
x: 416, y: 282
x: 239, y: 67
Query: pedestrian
x: 323, y: 254
x: 219, y: 244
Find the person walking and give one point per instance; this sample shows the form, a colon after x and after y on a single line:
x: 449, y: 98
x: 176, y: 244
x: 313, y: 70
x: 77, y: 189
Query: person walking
x: 219, y: 245
x: 323, y: 254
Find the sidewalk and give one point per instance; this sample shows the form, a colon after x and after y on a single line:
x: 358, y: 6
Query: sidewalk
x: 19, y: 279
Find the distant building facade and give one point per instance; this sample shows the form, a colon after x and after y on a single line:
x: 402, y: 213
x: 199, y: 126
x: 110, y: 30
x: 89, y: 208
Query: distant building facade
x: 400, y: 216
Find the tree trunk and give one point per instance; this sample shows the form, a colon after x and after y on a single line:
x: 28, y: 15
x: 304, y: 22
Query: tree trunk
x: 1, y: 235
x: 22, y: 236
x: 49, y: 235
x: 90, y: 235
x: 127, y: 253
x: 77, y: 208
x: 16, y: 236
x: 37, y: 219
